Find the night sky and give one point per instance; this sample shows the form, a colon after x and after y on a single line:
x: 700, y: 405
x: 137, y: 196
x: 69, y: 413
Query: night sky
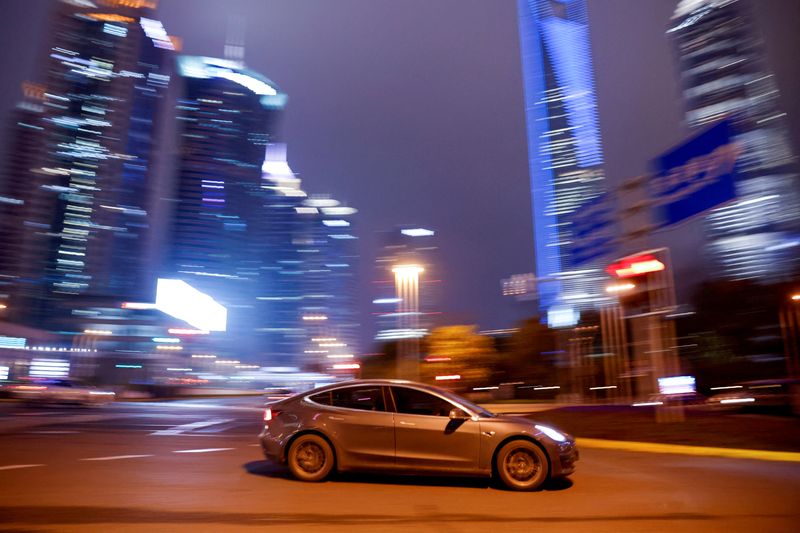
x: 412, y: 112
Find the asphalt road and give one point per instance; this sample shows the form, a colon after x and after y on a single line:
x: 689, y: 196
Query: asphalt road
x: 195, y: 466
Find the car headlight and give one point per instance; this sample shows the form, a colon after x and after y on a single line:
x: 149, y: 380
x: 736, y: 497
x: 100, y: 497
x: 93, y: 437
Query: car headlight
x: 552, y: 433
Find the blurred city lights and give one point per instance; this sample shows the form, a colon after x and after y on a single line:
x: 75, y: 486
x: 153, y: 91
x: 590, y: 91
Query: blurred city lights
x: 619, y: 287
x: 417, y: 232
x: 346, y: 366
x: 408, y: 270
x: 448, y: 377
x: 98, y: 332
x: 635, y: 266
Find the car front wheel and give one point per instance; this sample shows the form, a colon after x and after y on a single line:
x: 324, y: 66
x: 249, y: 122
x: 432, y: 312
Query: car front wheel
x: 522, y: 465
x: 310, y: 458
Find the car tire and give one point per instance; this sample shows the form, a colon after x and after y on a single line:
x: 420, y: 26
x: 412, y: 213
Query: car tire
x: 522, y: 465
x: 310, y: 458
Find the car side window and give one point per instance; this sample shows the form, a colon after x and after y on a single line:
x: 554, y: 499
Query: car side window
x: 367, y: 398
x: 417, y: 402
x: 323, y: 398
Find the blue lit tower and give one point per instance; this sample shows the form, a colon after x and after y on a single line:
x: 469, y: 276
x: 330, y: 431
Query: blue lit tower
x: 724, y: 74
x: 85, y: 230
x: 564, y: 146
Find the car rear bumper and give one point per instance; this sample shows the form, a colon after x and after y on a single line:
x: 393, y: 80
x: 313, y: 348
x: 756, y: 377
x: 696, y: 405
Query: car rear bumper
x: 272, y: 448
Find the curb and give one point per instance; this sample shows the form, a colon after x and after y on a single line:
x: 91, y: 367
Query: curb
x: 682, y: 449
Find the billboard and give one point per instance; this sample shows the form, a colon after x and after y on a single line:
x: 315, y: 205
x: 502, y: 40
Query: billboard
x: 593, y: 230
x: 696, y: 176
x: 180, y: 300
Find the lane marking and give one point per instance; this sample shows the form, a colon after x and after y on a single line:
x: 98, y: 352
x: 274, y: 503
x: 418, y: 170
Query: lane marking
x: 114, y: 457
x: 14, y: 467
x: 682, y: 449
x: 203, y: 450
x: 177, y: 430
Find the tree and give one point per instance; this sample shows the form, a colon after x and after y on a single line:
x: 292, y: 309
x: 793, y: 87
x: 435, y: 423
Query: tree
x: 459, y: 350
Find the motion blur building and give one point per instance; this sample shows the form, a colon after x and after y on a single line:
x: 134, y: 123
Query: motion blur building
x: 724, y: 75
x: 243, y: 229
x: 228, y: 115
x: 564, y: 146
x: 407, y: 285
x: 79, y: 188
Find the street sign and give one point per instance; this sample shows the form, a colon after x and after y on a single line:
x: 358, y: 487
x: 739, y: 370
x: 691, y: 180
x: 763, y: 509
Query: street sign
x: 696, y: 176
x: 593, y: 234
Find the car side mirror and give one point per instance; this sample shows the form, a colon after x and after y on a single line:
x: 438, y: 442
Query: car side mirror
x: 458, y: 414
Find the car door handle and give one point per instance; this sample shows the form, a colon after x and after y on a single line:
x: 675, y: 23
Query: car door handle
x: 404, y: 423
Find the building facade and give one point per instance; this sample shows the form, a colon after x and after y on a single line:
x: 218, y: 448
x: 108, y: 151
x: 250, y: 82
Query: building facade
x: 85, y: 141
x: 564, y: 146
x: 723, y: 74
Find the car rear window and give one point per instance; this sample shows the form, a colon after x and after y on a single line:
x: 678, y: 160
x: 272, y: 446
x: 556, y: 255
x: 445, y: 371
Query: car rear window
x: 367, y: 398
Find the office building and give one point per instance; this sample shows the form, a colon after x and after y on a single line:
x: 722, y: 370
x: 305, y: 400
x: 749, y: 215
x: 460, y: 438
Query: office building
x: 724, y: 75
x: 564, y: 146
x: 84, y: 145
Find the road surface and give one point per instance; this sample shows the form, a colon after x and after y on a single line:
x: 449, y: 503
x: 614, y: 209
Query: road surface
x: 195, y: 465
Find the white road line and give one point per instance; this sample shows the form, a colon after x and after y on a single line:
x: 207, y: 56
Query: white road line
x: 14, y: 467
x: 203, y: 450
x: 114, y: 457
x: 177, y: 430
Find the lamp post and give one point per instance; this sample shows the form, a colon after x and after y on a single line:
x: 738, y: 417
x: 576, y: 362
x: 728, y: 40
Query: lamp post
x: 406, y: 279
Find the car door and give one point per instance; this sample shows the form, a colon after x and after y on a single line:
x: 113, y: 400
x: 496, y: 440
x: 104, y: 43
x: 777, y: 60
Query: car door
x: 360, y: 424
x: 425, y: 436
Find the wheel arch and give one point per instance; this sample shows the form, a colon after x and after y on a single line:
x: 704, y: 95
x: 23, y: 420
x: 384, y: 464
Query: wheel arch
x: 311, y: 432
x: 524, y: 437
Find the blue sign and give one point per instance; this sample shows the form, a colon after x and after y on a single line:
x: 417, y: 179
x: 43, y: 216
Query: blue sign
x: 696, y: 176
x: 593, y: 234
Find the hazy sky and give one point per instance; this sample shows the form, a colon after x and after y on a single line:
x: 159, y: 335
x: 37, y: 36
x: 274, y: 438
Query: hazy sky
x: 412, y: 111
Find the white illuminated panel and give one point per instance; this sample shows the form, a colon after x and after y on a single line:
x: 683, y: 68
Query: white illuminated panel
x: 417, y: 232
x: 49, y: 368
x: 676, y: 385
x: 3, y: 373
x: 180, y: 300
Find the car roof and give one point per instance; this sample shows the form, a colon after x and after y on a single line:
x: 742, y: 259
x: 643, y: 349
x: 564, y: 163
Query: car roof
x: 381, y: 382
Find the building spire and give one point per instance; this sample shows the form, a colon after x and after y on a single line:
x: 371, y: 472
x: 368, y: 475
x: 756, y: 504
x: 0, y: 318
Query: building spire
x: 234, y: 39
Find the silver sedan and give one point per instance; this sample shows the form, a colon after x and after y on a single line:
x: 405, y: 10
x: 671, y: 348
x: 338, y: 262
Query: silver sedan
x: 410, y: 428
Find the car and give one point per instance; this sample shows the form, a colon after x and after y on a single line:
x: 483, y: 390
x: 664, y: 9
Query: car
x: 410, y: 428
x: 59, y: 391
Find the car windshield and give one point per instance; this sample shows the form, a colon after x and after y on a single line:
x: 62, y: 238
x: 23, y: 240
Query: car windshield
x: 468, y: 404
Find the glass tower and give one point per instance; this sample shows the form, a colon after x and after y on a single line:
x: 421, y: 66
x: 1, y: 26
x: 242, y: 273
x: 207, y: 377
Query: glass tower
x: 564, y: 146
x: 81, y: 223
x: 723, y: 75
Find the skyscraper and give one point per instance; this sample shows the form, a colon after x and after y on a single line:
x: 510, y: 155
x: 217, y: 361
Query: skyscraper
x: 243, y: 229
x: 82, y: 222
x: 564, y: 146
x: 218, y: 239
x: 723, y: 74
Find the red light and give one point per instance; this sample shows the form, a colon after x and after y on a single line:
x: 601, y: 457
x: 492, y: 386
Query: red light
x: 270, y: 414
x: 635, y: 266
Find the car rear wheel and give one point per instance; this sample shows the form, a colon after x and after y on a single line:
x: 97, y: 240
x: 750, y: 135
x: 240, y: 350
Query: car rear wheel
x: 522, y: 465
x: 310, y: 458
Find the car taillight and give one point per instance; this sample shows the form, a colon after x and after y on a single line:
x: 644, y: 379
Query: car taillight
x: 270, y: 414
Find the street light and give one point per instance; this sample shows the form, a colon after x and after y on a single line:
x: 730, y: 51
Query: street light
x: 406, y: 280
